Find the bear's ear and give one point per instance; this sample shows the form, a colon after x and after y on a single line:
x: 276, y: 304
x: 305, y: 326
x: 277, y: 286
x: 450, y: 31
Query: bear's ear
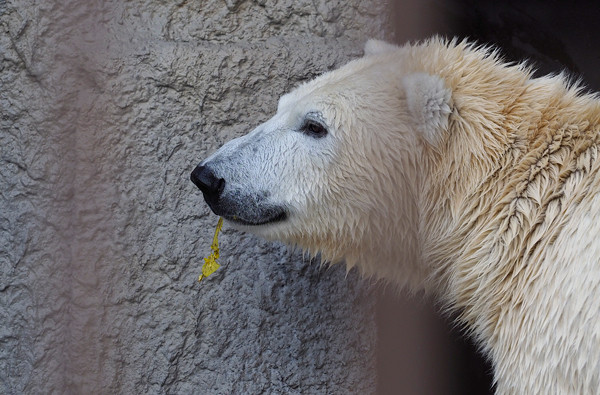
x: 376, y: 47
x: 428, y: 102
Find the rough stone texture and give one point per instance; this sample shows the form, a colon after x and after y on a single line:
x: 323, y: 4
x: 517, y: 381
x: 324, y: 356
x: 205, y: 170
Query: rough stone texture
x: 105, y: 108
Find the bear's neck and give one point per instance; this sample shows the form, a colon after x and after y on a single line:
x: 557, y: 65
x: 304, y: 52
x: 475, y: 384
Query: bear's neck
x: 513, y: 144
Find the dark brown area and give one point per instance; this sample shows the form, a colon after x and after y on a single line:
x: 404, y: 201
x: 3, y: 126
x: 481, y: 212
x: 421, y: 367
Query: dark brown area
x: 421, y: 352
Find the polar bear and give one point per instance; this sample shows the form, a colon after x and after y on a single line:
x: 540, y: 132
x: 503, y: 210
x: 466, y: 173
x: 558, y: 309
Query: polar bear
x: 438, y: 167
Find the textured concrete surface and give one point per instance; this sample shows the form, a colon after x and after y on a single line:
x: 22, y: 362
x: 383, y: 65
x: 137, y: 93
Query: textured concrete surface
x: 105, y: 108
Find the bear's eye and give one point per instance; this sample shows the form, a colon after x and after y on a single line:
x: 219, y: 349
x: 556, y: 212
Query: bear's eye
x: 313, y: 129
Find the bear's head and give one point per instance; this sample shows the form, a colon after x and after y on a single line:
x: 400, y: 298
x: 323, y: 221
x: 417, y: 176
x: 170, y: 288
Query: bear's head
x: 337, y: 169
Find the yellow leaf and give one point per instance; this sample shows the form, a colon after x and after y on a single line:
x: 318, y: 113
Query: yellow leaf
x: 210, y: 263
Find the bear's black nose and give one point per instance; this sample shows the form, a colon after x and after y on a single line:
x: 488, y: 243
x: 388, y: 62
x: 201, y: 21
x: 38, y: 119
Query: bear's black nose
x: 210, y: 185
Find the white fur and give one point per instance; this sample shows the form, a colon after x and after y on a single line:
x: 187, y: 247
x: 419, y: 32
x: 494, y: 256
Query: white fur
x: 445, y: 169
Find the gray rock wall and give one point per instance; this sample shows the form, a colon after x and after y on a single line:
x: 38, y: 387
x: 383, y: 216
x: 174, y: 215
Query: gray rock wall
x: 105, y: 108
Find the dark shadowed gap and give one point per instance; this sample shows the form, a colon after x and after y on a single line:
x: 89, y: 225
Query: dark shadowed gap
x: 421, y: 352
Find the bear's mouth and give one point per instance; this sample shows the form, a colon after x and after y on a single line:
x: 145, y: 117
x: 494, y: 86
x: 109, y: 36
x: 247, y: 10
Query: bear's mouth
x: 246, y: 210
x: 275, y: 217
